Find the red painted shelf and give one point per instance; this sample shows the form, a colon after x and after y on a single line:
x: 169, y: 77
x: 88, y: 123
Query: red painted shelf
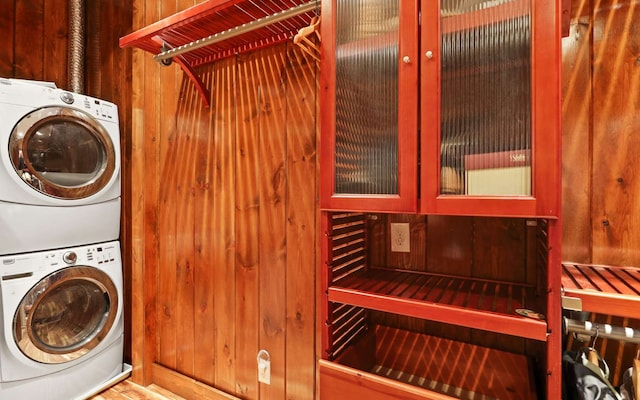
x: 473, y: 303
x: 226, y: 18
x: 605, y: 289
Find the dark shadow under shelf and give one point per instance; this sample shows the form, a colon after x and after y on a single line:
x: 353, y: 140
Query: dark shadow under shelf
x: 474, y: 303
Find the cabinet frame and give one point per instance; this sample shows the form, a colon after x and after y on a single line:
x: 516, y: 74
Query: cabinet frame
x: 407, y: 198
x: 546, y: 126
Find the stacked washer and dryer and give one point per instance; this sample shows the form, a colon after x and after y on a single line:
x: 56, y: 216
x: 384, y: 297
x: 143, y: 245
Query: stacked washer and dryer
x: 60, y: 264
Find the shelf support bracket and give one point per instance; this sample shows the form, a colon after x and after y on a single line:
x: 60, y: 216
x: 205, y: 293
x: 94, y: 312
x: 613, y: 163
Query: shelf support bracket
x: 200, y: 86
x: 190, y: 72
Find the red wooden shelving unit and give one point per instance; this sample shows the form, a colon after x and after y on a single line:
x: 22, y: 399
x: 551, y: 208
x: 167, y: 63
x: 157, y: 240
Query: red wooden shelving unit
x: 216, y: 29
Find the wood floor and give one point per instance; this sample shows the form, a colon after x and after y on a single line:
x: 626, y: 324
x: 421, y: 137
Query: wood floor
x: 127, y: 390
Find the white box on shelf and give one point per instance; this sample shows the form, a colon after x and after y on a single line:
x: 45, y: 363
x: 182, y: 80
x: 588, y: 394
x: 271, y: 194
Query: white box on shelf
x: 505, y: 173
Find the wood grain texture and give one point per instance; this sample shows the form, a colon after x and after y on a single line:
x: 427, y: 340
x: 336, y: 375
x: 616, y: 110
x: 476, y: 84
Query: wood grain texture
x: 7, y: 32
x: 142, y: 281
x: 576, y: 134
x: 301, y: 212
x: 247, y: 239
x: 615, y: 210
x: 224, y: 228
x: 55, y: 43
x: 449, y: 245
x: 148, y: 102
x: 127, y: 390
x: 272, y: 224
x: 29, y: 39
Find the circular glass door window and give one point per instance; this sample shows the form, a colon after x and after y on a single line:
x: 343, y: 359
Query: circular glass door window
x: 62, y: 152
x: 65, y: 315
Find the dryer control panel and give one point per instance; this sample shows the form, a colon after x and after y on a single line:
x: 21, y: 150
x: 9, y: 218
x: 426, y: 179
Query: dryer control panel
x: 25, y: 265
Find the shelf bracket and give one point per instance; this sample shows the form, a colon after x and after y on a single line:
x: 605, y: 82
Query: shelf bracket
x: 189, y: 71
x: 200, y: 86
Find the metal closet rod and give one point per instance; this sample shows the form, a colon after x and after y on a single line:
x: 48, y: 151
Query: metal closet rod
x: 606, y: 331
x: 238, y: 30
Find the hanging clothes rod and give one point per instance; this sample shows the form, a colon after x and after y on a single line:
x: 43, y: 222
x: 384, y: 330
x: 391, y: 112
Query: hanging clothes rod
x: 238, y: 30
x: 606, y: 331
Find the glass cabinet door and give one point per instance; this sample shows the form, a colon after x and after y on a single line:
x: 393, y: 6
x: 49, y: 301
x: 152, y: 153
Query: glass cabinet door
x: 490, y: 107
x: 369, y: 105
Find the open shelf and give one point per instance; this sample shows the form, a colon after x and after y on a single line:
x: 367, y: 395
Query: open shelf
x: 389, y: 363
x: 216, y: 29
x: 605, y: 289
x: 473, y: 303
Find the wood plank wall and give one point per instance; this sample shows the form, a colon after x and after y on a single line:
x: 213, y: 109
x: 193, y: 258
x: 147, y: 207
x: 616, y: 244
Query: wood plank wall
x: 224, y: 222
x: 601, y: 76
x: 34, y: 46
x: 601, y: 104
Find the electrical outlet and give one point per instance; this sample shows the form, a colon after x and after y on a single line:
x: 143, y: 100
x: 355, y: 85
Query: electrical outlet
x: 400, y: 237
x: 264, y: 367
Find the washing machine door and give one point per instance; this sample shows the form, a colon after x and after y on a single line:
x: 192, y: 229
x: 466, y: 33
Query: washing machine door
x: 65, y: 315
x: 62, y: 152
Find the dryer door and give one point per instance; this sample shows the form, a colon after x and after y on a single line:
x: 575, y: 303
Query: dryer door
x: 67, y: 314
x: 62, y: 152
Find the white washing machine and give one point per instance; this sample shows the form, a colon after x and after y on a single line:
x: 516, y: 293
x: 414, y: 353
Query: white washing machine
x: 62, y: 322
x: 59, y: 168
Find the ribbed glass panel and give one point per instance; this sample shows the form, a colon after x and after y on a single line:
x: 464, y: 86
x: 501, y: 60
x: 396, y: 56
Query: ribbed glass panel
x: 486, y: 97
x: 366, y: 159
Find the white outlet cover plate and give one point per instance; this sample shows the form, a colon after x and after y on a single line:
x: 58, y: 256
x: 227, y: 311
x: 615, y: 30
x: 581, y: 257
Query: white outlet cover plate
x: 400, y: 237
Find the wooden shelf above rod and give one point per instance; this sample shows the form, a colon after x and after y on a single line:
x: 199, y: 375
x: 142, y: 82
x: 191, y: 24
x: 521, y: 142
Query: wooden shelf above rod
x: 217, y: 29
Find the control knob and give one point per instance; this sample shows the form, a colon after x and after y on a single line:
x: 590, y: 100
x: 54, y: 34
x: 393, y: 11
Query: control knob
x: 70, y: 257
x: 67, y: 97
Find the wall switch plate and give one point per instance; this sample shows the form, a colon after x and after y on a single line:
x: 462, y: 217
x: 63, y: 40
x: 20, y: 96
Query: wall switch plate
x: 400, y: 237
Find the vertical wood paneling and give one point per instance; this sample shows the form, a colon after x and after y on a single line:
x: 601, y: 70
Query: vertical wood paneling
x: 55, y: 43
x: 197, y: 356
x: 204, y: 273
x: 247, y: 237
x: 143, y: 277
x: 576, y: 138
x: 449, y: 245
x: 29, y: 39
x: 184, y: 169
x: 240, y: 304
x: 272, y: 225
x: 224, y: 229
x: 616, y: 75
x: 172, y: 120
x: 300, y: 167
x: 154, y: 308
x: 7, y: 33
x: 491, y: 237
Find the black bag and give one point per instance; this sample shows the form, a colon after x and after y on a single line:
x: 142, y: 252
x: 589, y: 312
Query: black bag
x: 584, y: 380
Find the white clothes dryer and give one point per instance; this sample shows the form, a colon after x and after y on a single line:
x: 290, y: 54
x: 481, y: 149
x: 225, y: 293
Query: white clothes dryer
x: 59, y: 168
x: 62, y: 321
